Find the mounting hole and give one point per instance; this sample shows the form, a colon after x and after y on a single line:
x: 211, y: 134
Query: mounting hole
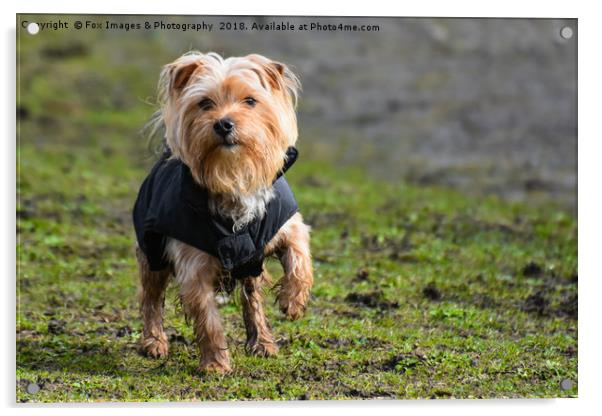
x: 33, y: 28
x: 33, y: 388
x: 566, y: 384
x: 566, y: 32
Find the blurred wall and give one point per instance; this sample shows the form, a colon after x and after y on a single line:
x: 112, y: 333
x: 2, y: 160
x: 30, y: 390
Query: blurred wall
x: 486, y: 105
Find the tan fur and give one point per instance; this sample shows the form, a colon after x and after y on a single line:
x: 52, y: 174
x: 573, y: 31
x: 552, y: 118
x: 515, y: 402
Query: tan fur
x: 198, y: 276
x: 259, y: 337
x: 238, y: 178
x: 263, y: 133
x: 152, y: 296
x: 292, y: 246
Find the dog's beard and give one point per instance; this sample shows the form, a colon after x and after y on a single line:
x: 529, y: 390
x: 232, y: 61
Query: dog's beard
x: 241, y: 169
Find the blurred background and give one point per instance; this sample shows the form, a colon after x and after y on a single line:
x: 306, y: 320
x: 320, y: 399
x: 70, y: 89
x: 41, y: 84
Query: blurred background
x: 484, y: 105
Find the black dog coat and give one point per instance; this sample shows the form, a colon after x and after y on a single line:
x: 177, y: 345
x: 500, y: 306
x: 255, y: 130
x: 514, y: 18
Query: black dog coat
x: 171, y: 204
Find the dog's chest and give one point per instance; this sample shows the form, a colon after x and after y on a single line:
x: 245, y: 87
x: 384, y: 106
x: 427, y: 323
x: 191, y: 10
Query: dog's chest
x: 243, y: 209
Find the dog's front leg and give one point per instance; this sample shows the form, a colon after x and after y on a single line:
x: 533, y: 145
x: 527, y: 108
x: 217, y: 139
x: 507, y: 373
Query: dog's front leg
x: 259, y: 338
x: 298, y: 273
x: 198, y: 297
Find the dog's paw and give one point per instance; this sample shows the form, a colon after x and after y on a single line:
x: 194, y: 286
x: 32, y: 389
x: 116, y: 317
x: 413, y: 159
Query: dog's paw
x: 154, y: 347
x: 291, y: 309
x: 263, y: 349
x: 293, y: 296
x: 214, y: 367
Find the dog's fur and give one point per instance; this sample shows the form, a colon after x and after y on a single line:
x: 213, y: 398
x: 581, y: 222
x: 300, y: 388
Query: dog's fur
x: 259, y: 96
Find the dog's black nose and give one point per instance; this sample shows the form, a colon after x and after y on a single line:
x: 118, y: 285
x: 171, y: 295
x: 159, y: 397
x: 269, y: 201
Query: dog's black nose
x: 223, y: 127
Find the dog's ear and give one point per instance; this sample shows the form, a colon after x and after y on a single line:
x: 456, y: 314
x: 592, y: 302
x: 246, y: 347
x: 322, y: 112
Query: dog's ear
x: 277, y: 75
x: 175, y: 76
x: 181, y: 73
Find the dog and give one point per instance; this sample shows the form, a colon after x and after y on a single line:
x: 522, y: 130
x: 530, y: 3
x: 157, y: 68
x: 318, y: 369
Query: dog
x: 230, y: 130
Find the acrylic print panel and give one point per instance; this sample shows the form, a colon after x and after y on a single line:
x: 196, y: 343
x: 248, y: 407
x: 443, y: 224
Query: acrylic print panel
x: 436, y: 167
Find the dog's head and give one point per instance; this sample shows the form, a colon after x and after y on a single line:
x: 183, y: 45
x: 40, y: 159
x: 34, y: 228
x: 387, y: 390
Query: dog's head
x: 230, y: 120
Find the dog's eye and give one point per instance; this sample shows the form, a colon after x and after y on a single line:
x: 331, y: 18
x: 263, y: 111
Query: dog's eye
x: 206, y: 104
x: 250, y: 101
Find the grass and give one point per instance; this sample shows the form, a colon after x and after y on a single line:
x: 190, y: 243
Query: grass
x: 421, y: 292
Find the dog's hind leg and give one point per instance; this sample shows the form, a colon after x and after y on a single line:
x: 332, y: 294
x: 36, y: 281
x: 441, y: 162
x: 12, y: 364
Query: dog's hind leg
x: 153, y: 341
x: 259, y: 338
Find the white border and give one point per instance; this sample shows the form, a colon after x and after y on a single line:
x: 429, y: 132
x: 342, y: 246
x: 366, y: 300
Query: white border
x: 459, y: 8
x: 589, y: 191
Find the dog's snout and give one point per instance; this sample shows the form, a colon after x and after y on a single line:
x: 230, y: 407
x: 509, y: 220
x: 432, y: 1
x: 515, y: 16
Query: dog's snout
x: 223, y: 127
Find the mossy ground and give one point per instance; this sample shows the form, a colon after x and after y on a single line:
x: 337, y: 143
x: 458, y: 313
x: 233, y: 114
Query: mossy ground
x: 420, y: 292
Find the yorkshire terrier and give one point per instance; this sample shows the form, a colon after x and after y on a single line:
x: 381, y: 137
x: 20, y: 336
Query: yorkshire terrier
x: 216, y: 204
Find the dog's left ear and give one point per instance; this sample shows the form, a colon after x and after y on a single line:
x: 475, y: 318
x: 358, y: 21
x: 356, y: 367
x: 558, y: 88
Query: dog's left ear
x: 278, y: 76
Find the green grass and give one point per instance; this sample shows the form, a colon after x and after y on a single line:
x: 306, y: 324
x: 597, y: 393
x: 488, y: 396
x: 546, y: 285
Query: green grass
x: 445, y: 308
x: 420, y: 292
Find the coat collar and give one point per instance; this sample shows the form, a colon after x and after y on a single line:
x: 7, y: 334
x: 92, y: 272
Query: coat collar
x: 289, y: 159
